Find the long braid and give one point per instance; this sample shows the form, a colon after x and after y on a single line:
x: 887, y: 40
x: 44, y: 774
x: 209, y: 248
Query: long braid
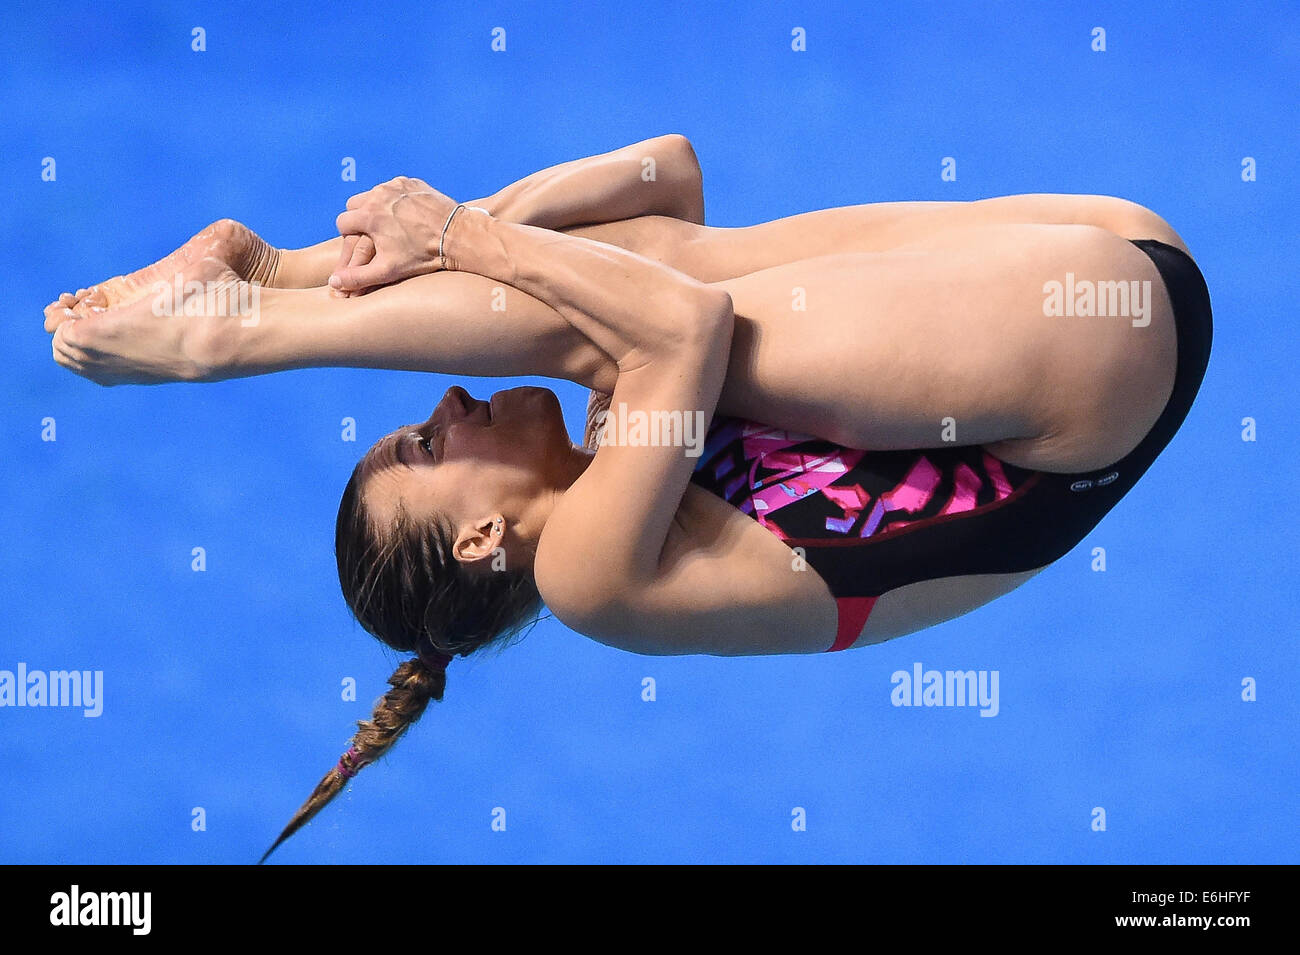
x: 404, y: 586
x: 414, y: 684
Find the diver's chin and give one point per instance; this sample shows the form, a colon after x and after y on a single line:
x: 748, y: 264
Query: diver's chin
x: 526, y: 401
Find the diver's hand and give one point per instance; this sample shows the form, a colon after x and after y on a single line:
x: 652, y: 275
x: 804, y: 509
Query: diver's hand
x: 357, y: 250
x: 403, y: 219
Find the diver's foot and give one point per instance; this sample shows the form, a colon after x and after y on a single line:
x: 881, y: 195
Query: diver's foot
x: 193, y: 331
x: 226, y: 251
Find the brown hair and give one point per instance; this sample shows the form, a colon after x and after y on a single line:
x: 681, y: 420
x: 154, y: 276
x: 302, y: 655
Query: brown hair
x: 403, y: 586
x: 597, y: 404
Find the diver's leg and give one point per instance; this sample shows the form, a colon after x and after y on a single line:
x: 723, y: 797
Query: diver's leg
x: 941, y: 340
x: 713, y: 254
x: 446, y: 322
x: 951, y: 340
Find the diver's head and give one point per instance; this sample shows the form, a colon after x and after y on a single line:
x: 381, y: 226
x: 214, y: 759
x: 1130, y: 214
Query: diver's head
x: 435, y: 540
x: 439, y: 523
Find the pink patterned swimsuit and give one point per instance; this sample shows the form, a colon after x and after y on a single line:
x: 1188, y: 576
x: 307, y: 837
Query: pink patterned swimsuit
x: 832, y: 502
x: 871, y: 521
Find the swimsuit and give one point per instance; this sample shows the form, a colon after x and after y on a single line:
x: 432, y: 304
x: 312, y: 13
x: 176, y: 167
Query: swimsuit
x: 871, y: 521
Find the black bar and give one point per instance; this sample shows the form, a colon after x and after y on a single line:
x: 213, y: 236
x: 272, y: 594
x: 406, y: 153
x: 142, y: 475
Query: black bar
x: 338, y: 903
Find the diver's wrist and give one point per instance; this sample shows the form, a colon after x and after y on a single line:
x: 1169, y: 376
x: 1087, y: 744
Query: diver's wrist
x: 471, y: 242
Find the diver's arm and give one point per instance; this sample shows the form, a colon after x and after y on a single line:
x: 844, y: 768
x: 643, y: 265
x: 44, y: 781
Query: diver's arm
x: 625, y: 304
x: 656, y: 177
x: 600, y: 308
x: 659, y: 176
x: 669, y: 336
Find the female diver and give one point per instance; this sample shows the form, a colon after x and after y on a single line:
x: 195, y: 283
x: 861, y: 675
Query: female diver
x: 911, y: 407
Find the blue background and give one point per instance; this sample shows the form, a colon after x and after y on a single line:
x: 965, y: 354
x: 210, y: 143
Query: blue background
x: 1118, y: 689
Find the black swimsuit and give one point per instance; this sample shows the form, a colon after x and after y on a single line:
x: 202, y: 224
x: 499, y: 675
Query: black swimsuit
x: 871, y: 521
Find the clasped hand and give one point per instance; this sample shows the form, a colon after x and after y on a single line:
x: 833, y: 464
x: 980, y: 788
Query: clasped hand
x: 390, y: 233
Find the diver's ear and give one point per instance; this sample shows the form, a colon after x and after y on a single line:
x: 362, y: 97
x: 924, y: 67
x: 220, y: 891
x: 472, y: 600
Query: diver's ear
x: 479, y: 540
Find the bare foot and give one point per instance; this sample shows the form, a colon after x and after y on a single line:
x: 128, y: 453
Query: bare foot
x: 226, y: 251
x: 193, y: 334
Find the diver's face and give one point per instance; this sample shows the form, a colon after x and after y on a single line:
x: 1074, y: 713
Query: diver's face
x: 470, y: 458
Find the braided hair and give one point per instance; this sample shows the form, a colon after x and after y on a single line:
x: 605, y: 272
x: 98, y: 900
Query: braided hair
x: 412, y: 686
x: 403, y: 586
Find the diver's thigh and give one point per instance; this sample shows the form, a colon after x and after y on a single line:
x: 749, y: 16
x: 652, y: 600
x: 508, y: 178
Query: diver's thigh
x: 947, y: 340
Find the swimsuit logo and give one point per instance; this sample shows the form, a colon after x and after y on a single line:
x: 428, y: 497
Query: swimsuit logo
x: 1086, y: 484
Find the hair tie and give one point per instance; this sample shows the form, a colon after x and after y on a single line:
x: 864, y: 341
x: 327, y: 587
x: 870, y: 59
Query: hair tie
x: 434, y: 659
x: 350, y: 763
